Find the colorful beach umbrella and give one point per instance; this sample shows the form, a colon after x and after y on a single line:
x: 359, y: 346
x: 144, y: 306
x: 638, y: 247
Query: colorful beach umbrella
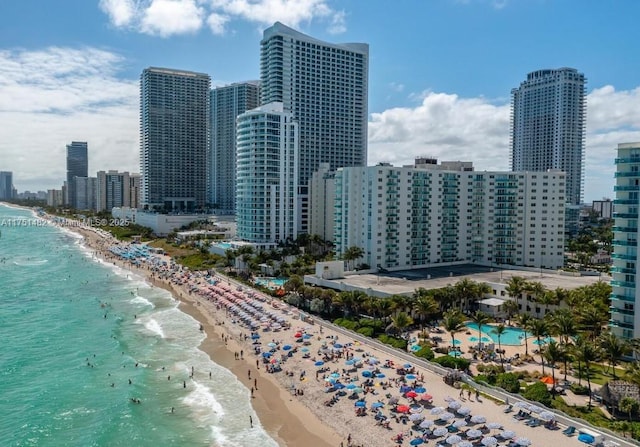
x: 318, y: 363
x: 411, y: 394
x: 416, y: 441
x: 403, y: 409
x: 286, y: 347
x: 420, y: 389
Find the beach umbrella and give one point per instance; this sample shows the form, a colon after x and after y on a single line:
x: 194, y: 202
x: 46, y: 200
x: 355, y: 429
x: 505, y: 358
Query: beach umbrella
x: 286, y: 347
x: 404, y: 388
x: 547, y: 416
x: 465, y: 443
x: 446, y: 416
x: 304, y: 350
x: 507, y: 434
x: 352, y: 386
x: 361, y: 404
x: 489, y: 441
x: 377, y: 405
x: 403, y: 409
x: 393, y: 400
x: 380, y: 376
x: 416, y: 417
x: 255, y: 336
x: 494, y: 425
x: 449, y: 399
x: 266, y: 354
x: 416, y: 441
x: 463, y: 411
x: 420, y: 389
x: 411, y: 394
x: 427, y: 423
x: 477, y: 419
x: 417, y: 408
x: 338, y: 346
x: 436, y: 410
x: 522, y: 404
x: 473, y: 433
x: 335, y: 375
x: 357, y: 390
x: 453, y: 439
x: 373, y: 361
x: 523, y: 442
x: 460, y: 423
x: 318, y: 363
x: 272, y: 344
x: 454, y: 405
x: 349, y: 362
x: 440, y: 431
x: 536, y: 409
x: 297, y: 334
x: 356, y: 359
x: 306, y: 336
x: 411, y: 377
x: 426, y: 397
x: 407, y: 366
x: 367, y: 373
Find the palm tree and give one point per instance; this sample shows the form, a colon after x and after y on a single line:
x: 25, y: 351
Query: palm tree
x: 351, y: 254
x: 628, y: 405
x: 425, y: 306
x: 480, y: 318
x: 511, y: 308
x: 539, y: 329
x: 524, y: 320
x: 613, y: 348
x: 552, y: 354
x: 516, y: 286
x: 632, y: 372
x: 400, y: 322
x: 563, y: 324
x: 535, y: 290
x: 453, y: 322
x: 499, y: 330
x: 465, y: 290
x: 591, y: 321
x: 587, y: 353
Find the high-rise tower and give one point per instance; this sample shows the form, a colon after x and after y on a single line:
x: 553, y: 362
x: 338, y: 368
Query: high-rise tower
x: 226, y: 104
x: 174, y: 139
x: 325, y: 88
x: 548, y: 125
x: 77, y: 166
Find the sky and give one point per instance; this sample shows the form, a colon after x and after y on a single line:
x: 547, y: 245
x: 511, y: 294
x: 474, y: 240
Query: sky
x: 440, y: 72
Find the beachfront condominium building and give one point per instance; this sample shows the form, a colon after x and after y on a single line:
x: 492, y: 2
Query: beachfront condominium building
x: 427, y: 215
x: 266, y: 206
x: 54, y: 198
x: 6, y: 185
x: 322, y: 191
x: 114, y: 189
x: 625, y: 295
x: 86, y: 189
x: 174, y: 139
x: 226, y: 104
x: 325, y: 87
x: 548, y: 125
x: 77, y: 166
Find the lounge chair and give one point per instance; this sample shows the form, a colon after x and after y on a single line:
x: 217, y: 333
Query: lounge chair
x: 508, y: 409
x: 569, y: 431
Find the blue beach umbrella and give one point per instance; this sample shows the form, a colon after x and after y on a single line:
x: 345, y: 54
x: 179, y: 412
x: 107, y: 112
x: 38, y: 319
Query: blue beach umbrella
x: 286, y: 347
x: 367, y: 373
x: 266, y: 354
x: 411, y: 377
x: 306, y: 336
x: 335, y: 375
x: 380, y: 376
x: 318, y: 363
x: 349, y: 362
x: 407, y: 366
x: 420, y: 389
x: 255, y: 336
x: 416, y: 441
x: 338, y: 386
x: 361, y: 404
x: 377, y: 405
x: 271, y: 345
x: 304, y: 350
x: 338, y: 346
x: 352, y: 386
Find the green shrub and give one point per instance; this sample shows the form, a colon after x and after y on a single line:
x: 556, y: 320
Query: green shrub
x: 508, y: 382
x: 346, y: 323
x: 395, y: 342
x: 581, y: 390
x: 452, y: 362
x: 538, y: 392
x: 425, y: 352
x: 491, y: 380
x: 366, y: 331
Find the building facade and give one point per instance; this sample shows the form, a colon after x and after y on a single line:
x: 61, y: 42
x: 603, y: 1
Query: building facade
x: 322, y: 191
x: 226, y: 104
x: 113, y: 190
x: 54, y: 198
x: 325, y: 88
x: 266, y: 208
x: 625, y: 321
x: 412, y: 217
x: 86, y: 197
x: 77, y: 166
x: 6, y: 185
x: 174, y: 139
x: 548, y: 126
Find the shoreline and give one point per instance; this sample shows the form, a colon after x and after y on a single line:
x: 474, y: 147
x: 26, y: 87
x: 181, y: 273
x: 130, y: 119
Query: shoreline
x: 286, y: 420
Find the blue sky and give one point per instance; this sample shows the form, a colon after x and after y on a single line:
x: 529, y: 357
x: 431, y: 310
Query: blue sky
x: 440, y: 76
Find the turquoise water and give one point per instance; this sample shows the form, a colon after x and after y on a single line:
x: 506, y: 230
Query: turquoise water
x: 73, y: 330
x: 223, y: 245
x: 513, y: 336
x: 271, y: 282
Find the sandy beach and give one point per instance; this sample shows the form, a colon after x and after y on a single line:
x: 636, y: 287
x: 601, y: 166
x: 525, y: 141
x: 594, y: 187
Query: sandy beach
x: 324, y: 388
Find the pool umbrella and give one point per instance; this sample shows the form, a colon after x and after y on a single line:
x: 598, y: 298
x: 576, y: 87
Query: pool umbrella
x: 437, y: 410
x: 453, y: 439
x: 416, y: 417
x: 416, y: 441
x: 426, y: 423
x: 463, y: 411
x: 523, y: 441
x: 446, y: 416
x: 318, y: 363
x: 489, y: 441
x: 473, y: 433
x: 494, y: 425
x: 460, y: 423
x: 440, y: 431
x: 411, y: 394
x: 402, y: 408
x: 477, y: 419
x: 507, y: 434
x: 420, y: 389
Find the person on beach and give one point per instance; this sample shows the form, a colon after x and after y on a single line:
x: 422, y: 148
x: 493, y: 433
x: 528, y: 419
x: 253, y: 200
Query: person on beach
x: 250, y: 421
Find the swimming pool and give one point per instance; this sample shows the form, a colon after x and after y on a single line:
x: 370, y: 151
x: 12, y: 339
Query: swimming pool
x: 512, y: 336
x: 223, y: 245
x: 270, y: 283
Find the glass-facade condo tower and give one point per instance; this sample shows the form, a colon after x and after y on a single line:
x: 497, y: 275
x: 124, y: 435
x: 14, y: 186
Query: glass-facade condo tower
x: 77, y: 166
x: 325, y: 88
x: 548, y: 125
x: 226, y: 104
x: 625, y: 321
x: 174, y: 139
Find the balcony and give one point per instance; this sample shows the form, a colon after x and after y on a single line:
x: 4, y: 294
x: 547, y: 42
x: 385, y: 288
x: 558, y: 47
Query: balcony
x: 627, y: 299
x: 627, y: 284
x: 621, y: 243
x: 625, y: 202
x: 625, y: 229
x: 615, y: 323
x: 625, y: 215
x: 626, y: 257
x: 627, y: 174
x: 621, y: 311
x: 627, y: 188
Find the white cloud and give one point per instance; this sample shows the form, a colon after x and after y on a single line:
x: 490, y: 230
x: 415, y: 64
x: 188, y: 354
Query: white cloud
x: 169, y: 17
x: 121, y: 12
x: 51, y: 97
x: 477, y: 129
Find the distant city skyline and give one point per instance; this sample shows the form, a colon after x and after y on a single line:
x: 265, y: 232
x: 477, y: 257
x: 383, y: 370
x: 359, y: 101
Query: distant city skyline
x: 70, y: 72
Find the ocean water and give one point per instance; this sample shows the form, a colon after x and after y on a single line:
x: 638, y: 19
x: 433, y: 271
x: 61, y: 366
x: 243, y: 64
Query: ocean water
x: 73, y: 329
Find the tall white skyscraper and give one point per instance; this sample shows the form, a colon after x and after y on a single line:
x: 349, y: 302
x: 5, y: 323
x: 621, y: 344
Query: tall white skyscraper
x: 548, y: 125
x: 226, y: 104
x: 325, y: 88
x: 174, y: 139
x: 267, y: 149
